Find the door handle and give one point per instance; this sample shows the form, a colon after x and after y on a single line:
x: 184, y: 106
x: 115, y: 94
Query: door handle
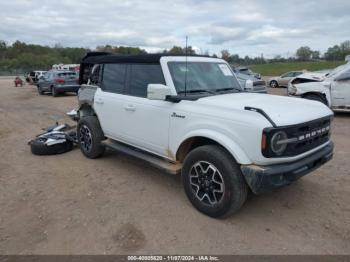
x: 130, y: 108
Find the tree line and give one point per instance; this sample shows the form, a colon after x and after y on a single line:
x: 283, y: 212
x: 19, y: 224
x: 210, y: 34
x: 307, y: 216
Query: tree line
x: 22, y: 57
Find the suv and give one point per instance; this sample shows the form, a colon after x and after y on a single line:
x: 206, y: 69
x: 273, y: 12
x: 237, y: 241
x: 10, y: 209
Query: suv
x: 34, y: 76
x: 189, y: 115
x: 57, y: 82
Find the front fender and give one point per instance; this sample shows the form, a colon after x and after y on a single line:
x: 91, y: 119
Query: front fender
x: 231, y: 146
x: 314, y: 87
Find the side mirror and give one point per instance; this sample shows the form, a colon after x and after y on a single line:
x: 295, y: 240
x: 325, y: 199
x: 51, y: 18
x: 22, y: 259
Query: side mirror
x: 248, y: 84
x: 158, y: 91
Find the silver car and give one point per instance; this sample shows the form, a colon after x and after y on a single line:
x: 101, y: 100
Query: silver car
x: 284, y: 79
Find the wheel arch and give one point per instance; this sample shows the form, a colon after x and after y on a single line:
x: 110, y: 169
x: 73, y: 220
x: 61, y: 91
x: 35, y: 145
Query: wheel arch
x: 193, y: 141
x: 320, y: 94
x: 86, y: 110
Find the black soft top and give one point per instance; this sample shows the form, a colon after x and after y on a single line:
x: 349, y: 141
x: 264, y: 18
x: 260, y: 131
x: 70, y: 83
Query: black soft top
x: 105, y: 58
x: 94, y: 58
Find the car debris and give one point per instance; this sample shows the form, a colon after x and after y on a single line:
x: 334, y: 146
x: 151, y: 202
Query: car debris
x: 56, y: 139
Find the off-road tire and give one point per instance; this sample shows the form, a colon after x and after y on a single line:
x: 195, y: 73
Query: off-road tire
x: 316, y: 97
x: 96, y: 148
x: 38, y: 147
x: 235, y: 188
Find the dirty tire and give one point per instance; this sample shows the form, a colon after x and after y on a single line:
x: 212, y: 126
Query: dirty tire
x: 316, y: 97
x: 38, y: 147
x: 209, y: 158
x: 273, y: 84
x: 90, y: 136
x: 54, y: 91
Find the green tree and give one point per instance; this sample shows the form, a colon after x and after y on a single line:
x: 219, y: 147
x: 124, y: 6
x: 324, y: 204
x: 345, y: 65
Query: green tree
x: 304, y: 53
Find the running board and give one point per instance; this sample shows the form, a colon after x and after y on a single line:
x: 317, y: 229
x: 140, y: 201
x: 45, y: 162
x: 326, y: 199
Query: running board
x: 171, y: 168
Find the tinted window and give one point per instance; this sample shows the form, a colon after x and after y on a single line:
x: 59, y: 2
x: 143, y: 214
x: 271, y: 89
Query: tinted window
x: 114, y: 77
x: 142, y: 75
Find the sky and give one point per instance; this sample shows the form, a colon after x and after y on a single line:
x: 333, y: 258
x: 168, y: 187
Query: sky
x: 249, y: 27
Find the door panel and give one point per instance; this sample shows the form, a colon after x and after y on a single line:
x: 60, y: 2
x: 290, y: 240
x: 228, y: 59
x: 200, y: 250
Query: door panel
x: 146, y: 124
x: 340, y: 93
x: 127, y: 116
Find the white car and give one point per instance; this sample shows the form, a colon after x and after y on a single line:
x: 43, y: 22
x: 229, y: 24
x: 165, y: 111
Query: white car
x: 189, y: 115
x: 332, y: 89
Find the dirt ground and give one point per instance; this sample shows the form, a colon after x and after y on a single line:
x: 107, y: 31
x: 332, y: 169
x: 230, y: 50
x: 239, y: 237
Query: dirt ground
x: 68, y: 204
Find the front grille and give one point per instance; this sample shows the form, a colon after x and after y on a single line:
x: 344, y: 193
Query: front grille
x: 302, y: 137
x: 310, y: 135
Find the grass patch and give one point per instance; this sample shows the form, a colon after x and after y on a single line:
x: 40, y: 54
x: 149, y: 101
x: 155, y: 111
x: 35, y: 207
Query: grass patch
x: 275, y: 69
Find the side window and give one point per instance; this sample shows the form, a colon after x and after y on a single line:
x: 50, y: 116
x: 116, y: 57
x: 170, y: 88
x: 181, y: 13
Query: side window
x: 142, y: 75
x: 114, y: 78
x: 289, y: 74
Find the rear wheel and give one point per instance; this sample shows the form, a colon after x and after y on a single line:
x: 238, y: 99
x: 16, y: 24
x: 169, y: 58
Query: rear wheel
x: 90, y: 136
x: 273, y: 84
x: 213, y: 181
x: 316, y: 97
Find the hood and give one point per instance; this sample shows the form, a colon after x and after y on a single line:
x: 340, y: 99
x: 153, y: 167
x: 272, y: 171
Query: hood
x: 314, y: 76
x: 282, y: 110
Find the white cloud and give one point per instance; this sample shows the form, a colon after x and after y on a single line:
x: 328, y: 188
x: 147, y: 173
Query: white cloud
x: 245, y: 27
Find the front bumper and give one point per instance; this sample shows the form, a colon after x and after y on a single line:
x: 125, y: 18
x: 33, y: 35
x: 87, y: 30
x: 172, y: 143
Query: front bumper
x: 265, y: 178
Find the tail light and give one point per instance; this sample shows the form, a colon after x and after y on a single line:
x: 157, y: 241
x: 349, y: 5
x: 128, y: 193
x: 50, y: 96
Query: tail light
x: 59, y: 80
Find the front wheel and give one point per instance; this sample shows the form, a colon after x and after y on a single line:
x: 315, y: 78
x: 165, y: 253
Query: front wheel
x: 213, y: 181
x: 90, y: 136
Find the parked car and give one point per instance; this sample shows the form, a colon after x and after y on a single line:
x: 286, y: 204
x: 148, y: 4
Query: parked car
x: 190, y: 115
x: 246, y: 71
x: 249, y: 82
x: 283, y: 80
x: 18, y: 81
x: 57, y: 82
x: 332, y: 89
x: 34, y: 76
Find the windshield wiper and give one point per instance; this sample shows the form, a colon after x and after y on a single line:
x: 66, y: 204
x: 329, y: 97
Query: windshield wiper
x: 196, y: 91
x: 228, y: 89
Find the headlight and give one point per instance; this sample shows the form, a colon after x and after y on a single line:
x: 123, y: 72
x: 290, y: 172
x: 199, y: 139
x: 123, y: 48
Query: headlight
x: 277, y: 144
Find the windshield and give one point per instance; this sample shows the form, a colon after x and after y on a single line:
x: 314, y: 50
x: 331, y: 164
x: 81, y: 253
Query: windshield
x: 337, y: 70
x: 206, y: 77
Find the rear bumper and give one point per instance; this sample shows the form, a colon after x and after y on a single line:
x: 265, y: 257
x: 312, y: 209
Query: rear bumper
x: 265, y: 178
x: 67, y: 88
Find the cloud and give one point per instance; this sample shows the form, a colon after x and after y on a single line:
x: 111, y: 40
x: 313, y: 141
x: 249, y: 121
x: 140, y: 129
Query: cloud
x: 245, y: 27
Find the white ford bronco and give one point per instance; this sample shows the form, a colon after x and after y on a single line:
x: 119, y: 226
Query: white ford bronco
x: 189, y: 115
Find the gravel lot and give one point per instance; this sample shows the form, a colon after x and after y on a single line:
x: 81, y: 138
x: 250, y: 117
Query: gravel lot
x: 68, y: 204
